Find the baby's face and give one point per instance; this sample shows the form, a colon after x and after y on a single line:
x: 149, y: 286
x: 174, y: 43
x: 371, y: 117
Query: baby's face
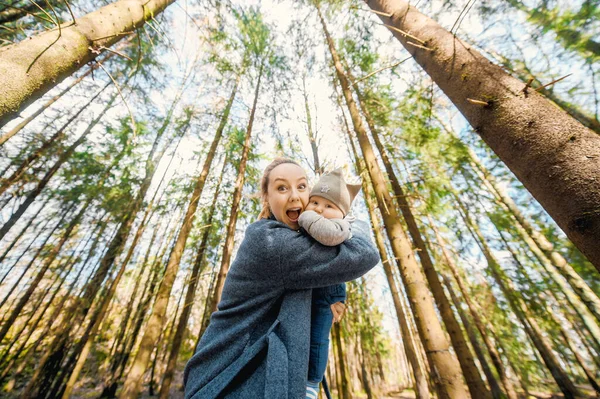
x: 324, y: 207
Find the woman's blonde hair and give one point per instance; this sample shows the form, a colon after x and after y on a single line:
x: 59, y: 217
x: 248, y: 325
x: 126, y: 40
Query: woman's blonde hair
x: 264, y: 185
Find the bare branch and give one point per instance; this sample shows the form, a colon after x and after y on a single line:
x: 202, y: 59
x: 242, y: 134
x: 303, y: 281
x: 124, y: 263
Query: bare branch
x: 122, y: 97
x: 554, y: 81
x: 381, y: 69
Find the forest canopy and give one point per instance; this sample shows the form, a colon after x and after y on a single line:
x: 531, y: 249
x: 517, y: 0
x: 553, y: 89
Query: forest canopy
x: 134, y: 133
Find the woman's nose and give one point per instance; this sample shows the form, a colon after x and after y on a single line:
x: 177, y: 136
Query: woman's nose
x: 294, y: 195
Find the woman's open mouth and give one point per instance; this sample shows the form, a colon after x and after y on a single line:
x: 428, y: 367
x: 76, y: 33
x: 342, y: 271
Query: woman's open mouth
x: 293, y: 214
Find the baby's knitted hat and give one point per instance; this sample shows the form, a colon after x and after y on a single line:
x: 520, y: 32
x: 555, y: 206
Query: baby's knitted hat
x: 333, y: 187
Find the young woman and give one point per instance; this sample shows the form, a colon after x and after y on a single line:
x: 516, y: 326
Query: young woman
x: 257, y: 342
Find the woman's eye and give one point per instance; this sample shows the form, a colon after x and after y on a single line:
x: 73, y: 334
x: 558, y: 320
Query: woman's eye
x: 302, y: 186
x: 281, y: 188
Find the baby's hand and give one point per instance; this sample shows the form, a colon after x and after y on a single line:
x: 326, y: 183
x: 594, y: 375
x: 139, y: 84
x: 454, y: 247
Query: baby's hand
x: 338, y: 310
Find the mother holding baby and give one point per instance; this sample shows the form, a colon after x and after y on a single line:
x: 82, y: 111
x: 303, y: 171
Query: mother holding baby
x: 258, y: 342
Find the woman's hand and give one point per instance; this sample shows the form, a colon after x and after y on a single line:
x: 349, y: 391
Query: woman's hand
x: 338, y: 310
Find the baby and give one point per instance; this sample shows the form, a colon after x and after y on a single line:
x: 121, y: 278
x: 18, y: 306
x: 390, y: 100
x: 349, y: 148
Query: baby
x: 325, y: 219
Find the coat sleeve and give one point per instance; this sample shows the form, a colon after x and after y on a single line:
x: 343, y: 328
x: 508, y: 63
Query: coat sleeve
x: 305, y: 263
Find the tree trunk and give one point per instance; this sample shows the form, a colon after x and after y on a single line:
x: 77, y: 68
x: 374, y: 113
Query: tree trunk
x: 33, y: 325
x: 472, y: 376
x: 445, y: 366
x: 111, y: 386
x: 589, y: 319
x: 30, y: 68
x: 529, y: 324
x: 344, y: 389
x: 311, y: 135
x: 34, y: 257
x: 191, y: 291
x: 81, y: 307
x: 48, y: 259
x: 491, y: 378
x: 237, y: 195
x: 22, y: 232
x: 75, y: 363
x: 588, y: 373
x: 421, y: 386
x: 132, y: 383
x: 520, y: 126
x: 18, y: 308
x: 116, y: 360
x: 5, y: 137
x: 522, y: 71
x: 52, y: 171
x: 541, y: 247
x: 58, y: 307
x: 207, y: 310
x: 364, y: 374
x: 482, y: 325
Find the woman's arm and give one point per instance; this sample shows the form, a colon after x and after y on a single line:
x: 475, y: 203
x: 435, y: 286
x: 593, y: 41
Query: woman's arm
x: 305, y: 263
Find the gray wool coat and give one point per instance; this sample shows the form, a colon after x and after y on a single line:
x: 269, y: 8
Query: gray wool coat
x: 257, y: 342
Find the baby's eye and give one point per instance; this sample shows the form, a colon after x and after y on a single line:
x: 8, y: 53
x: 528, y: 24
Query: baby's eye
x: 328, y: 206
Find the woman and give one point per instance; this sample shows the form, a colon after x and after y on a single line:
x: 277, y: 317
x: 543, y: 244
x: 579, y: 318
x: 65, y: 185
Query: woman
x: 257, y: 342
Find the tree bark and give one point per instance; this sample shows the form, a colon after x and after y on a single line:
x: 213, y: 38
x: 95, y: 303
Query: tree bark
x: 8, y: 135
x: 185, y: 230
x: 552, y: 261
x: 421, y: 386
x: 344, y: 388
x: 472, y: 376
x: 51, y: 172
x: 522, y: 71
x: 483, y: 326
x: 311, y: 135
x: 18, y: 308
x: 491, y: 378
x: 446, y: 369
x: 529, y: 324
x: 132, y: 385
x: 30, y: 68
x: 80, y: 308
x: 237, y: 195
x: 199, y: 264
x: 519, y: 125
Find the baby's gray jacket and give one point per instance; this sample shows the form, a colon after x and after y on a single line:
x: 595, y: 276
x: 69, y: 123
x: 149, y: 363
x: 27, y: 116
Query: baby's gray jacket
x: 257, y: 343
x: 328, y: 232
